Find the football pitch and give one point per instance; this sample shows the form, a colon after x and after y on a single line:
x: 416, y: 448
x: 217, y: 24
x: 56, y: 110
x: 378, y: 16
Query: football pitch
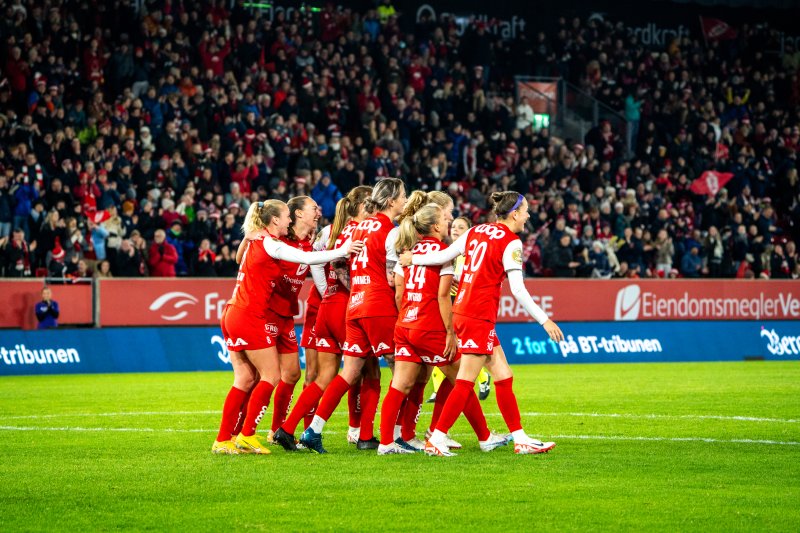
x: 668, y: 447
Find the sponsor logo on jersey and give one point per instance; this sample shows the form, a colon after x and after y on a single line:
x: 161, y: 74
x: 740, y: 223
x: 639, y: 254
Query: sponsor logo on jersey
x: 411, y: 314
x: 491, y: 231
x: 468, y: 344
x: 425, y: 247
x: 356, y: 299
x: 322, y: 343
x: 381, y: 346
x: 436, y: 359
x: 355, y: 348
x: 302, y: 269
x: 369, y: 225
x: 403, y: 351
x: 234, y: 343
x: 173, y: 301
x: 629, y: 302
x: 272, y: 329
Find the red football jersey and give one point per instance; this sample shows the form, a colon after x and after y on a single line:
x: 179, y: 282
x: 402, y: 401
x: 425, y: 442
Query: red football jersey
x: 285, y: 298
x: 335, y: 289
x: 420, y: 305
x: 257, y: 278
x: 490, y: 251
x: 370, y: 293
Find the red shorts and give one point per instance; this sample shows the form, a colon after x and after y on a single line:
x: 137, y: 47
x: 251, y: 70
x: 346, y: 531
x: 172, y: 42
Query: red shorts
x: 244, y: 331
x: 329, y: 331
x: 421, y: 347
x: 370, y: 336
x: 281, y: 329
x: 474, y: 336
x: 308, y: 340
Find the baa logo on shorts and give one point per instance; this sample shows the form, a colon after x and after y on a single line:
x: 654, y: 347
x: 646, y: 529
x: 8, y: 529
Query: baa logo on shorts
x: 468, y: 344
x: 355, y: 348
x: 381, y: 346
x: 322, y: 343
x: 403, y: 352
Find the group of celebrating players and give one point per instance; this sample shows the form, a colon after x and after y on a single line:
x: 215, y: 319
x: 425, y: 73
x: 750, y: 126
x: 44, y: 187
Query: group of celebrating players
x: 383, y: 275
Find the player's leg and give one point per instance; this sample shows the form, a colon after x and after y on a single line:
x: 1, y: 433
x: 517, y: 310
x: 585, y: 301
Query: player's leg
x: 290, y: 375
x: 404, y: 378
x: 244, y: 376
x: 413, y: 406
x: 267, y: 364
x: 327, y: 369
x: 497, y: 364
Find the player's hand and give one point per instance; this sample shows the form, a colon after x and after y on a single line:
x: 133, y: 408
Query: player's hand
x: 450, y: 346
x: 405, y: 258
x: 355, y: 247
x: 553, y: 331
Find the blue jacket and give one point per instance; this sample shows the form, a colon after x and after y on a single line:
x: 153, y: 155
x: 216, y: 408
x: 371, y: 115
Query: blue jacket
x: 24, y: 196
x: 326, y: 197
x: 47, y: 314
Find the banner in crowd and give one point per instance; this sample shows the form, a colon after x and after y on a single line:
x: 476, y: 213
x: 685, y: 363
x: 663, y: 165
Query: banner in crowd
x: 113, y: 350
x: 18, y: 298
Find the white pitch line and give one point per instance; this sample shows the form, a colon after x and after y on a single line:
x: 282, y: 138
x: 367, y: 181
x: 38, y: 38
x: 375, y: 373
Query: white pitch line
x: 534, y: 414
x: 568, y: 437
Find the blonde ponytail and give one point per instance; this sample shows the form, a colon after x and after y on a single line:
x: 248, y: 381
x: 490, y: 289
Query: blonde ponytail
x: 419, y: 223
x: 415, y: 201
x: 260, y: 214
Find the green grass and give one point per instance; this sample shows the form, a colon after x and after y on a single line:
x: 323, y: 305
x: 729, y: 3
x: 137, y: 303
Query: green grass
x: 646, y: 469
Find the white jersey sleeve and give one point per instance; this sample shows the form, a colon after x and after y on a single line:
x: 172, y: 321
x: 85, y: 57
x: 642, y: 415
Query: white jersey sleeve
x: 447, y: 270
x: 283, y: 252
x: 321, y: 241
x: 318, y: 275
x: 442, y: 256
x: 398, y: 270
x: 512, y: 256
x: 517, y: 286
x: 391, y: 251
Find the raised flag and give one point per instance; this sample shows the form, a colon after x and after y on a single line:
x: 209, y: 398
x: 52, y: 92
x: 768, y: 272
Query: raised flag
x: 710, y: 182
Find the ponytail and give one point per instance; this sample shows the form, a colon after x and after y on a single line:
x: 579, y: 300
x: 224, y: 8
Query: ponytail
x: 260, y: 214
x: 504, y: 203
x: 347, y: 209
x: 419, y: 223
x: 415, y: 201
x: 385, y: 190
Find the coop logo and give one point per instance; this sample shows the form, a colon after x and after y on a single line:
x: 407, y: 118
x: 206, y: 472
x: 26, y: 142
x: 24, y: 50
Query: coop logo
x: 173, y: 302
x: 629, y: 302
x: 780, y: 344
x: 222, y: 350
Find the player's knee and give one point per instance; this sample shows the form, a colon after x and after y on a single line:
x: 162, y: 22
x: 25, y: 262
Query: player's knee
x: 290, y: 375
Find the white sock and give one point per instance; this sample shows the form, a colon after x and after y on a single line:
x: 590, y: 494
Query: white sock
x: 398, y: 431
x: 520, y: 437
x: 438, y: 437
x: 317, y: 424
x: 352, y: 429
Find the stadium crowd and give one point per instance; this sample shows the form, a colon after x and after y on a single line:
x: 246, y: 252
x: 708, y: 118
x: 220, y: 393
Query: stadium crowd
x: 133, y: 142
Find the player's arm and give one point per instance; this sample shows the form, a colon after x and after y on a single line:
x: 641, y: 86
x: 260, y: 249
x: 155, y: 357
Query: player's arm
x: 283, y: 252
x: 439, y: 257
x: 318, y: 275
x: 391, y: 256
x: 241, y: 249
x: 446, y: 310
x: 399, y: 286
x: 512, y: 263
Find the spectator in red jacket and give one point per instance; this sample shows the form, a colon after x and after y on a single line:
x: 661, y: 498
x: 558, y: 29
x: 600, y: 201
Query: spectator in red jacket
x: 162, y: 256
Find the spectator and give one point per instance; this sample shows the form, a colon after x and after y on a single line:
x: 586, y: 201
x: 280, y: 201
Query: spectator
x: 47, y: 310
x: 564, y: 264
x: 665, y: 251
x: 103, y: 270
x: 692, y: 263
x: 16, y: 254
x: 162, y: 256
x: 326, y: 194
x: 129, y: 262
x: 206, y: 261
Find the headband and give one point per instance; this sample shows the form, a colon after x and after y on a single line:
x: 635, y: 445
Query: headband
x: 516, y: 205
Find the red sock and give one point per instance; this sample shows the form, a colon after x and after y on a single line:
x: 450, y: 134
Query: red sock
x: 283, y: 397
x: 389, y: 412
x: 370, y: 396
x: 309, y: 396
x: 445, y: 388
x: 309, y: 416
x: 354, y: 404
x: 455, y: 405
x: 242, y: 413
x: 474, y: 415
x: 257, y: 407
x: 507, y: 403
x: 332, y: 396
x: 231, y: 411
x: 412, y: 412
